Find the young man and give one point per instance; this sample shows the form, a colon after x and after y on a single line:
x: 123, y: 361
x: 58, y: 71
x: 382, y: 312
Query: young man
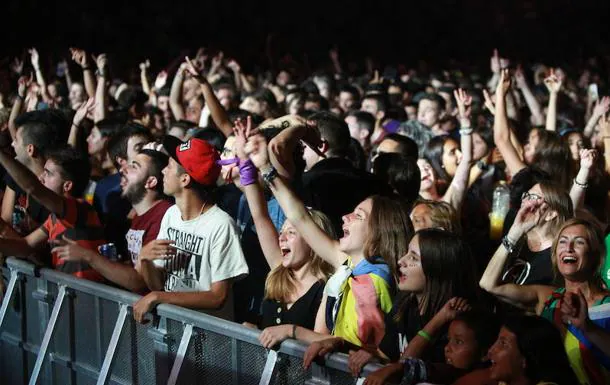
x: 197, y: 253
x: 65, y: 177
x: 142, y: 185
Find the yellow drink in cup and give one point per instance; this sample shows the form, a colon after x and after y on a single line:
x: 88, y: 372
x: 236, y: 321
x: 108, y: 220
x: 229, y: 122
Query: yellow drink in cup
x: 496, y: 225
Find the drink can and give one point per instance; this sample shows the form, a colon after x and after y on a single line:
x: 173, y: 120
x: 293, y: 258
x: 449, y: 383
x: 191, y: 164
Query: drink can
x: 108, y: 250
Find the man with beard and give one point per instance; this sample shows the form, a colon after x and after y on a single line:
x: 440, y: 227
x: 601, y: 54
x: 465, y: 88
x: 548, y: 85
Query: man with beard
x: 142, y: 186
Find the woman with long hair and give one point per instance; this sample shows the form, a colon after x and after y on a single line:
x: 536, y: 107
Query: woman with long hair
x: 578, y: 251
x: 375, y: 235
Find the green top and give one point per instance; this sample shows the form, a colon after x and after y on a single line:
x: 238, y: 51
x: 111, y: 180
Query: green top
x: 606, y: 267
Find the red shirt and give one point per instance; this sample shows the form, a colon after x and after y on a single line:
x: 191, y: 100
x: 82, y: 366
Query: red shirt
x: 145, y: 228
x: 79, y: 222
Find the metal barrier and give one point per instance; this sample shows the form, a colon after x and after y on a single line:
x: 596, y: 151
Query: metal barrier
x: 58, y: 329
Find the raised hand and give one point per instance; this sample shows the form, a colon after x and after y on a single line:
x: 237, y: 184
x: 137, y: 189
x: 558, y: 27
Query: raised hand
x: 504, y: 83
x: 529, y: 216
x: 34, y: 58
x: 489, y: 103
x: 158, y: 249
x: 520, y: 77
x: 101, y: 61
x: 494, y: 62
x: 554, y: 81
x: 234, y: 66
x: 17, y: 66
x: 217, y: 60
x: 80, y: 57
x: 70, y: 251
x: 320, y: 349
x: 601, y: 107
x: 145, y: 65
x: 62, y: 67
x: 587, y: 158
x: 464, y: 104
x: 83, y: 110
x: 274, y: 335
x: 161, y: 80
x: 242, y: 132
x: 452, y: 308
x: 23, y: 84
x: 333, y: 53
x: 256, y: 149
x: 357, y: 360
x: 190, y: 68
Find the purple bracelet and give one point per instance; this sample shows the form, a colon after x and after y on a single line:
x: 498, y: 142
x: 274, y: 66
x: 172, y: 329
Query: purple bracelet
x: 248, y: 174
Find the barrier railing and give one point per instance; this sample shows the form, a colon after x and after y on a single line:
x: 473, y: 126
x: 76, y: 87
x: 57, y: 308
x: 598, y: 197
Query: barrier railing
x: 58, y: 329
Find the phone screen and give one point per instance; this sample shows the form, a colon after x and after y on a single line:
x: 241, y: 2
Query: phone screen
x: 593, y: 93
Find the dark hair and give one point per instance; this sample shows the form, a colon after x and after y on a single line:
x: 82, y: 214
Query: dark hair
x: 541, y: 344
x: 401, y: 173
x: 264, y: 95
x: 484, y: 324
x: 487, y: 134
x: 334, y: 131
x: 74, y: 166
x: 110, y: 126
x: 158, y: 161
x: 406, y: 145
x: 434, y: 155
x: 389, y: 229
x: 418, y: 132
x: 204, y: 192
x: 117, y: 145
x: 356, y: 154
x: 553, y: 157
x: 45, y: 129
x: 449, y: 268
x: 213, y: 136
x: 350, y: 90
x: 381, y: 100
x: 365, y: 119
x: 442, y: 104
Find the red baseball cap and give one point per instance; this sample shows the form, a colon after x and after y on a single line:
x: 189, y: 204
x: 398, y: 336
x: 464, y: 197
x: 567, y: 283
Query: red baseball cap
x: 196, y: 156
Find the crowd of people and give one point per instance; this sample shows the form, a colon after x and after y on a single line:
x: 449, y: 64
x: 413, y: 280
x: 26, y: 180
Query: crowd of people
x: 350, y: 211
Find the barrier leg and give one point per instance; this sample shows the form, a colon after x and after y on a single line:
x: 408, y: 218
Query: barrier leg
x: 114, y: 342
x: 8, y: 295
x: 269, y: 366
x: 44, y: 345
x: 184, y: 344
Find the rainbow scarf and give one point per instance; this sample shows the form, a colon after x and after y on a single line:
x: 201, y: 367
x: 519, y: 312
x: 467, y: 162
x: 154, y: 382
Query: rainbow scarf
x: 590, y: 364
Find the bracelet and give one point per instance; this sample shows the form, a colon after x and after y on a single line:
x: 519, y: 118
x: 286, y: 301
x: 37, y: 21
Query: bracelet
x: 86, y: 68
x: 465, y: 131
x: 508, y: 244
x: 248, y: 174
x: 422, y: 333
x: 294, y: 332
x: 20, y: 97
x: 581, y: 185
x: 270, y: 175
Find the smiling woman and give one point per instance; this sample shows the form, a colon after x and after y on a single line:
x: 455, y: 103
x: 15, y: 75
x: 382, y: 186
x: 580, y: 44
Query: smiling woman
x: 577, y: 254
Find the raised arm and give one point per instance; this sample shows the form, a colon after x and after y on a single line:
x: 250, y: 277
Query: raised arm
x: 80, y: 115
x: 600, y: 109
x: 553, y: 84
x: 217, y: 111
x: 30, y: 184
x: 23, y: 84
x: 64, y: 64
x: 101, y: 96
x: 604, y: 131
x: 82, y: 59
x: 530, y: 99
x: 144, y: 66
x: 237, y: 76
x: 459, y: 184
x: 175, y: 94
x: 524, y: 296
x: 502, y: 136
x: 35, y: 58
x: 265, y: 230
x: 334, y: 58
x: 324, y: 246
x: 579, y: 185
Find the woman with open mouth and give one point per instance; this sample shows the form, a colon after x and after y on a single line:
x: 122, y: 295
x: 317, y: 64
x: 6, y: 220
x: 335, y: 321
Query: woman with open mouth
x: 577, y: 254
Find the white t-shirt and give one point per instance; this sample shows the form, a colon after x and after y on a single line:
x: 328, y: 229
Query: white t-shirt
x: 208, y: 250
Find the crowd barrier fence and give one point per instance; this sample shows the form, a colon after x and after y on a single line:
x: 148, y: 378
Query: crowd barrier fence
x: 59, y: 329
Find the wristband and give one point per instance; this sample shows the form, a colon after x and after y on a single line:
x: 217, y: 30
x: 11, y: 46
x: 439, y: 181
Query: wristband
x: 466, y: 131
x: 294, y: 332
x: 86, y: 68
x: 269, y: 176
x: 581, y: 185
x: 508, y: 244
x: 422, y: 333
x: 248, y: 174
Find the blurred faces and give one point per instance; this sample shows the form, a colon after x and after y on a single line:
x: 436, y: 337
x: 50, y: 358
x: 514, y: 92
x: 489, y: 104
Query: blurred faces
x: 411, y: 112
x: 77, y: 95
x: 387, y: 146
x: 355, y: 228
x: 428, y: 112
x: 163, y: 103
x: 21, y: 152
x: 252, y: 105
x: 228, y: 172
x: 295, y: 251
x: 420, y: 217
x: 452, y: 156
x: 193, y: 110
x: 96, y: 143
x: 479, y: 148
x: 428, y: 179
x: 530, y: 147
x: 462, y: 349
x: 575, y: 143
x: 370, y: 106
x: 171, y: 178
x: 225, y: 97
x: 507, y: 363
x: 411, y: 275
x: 346, y: 101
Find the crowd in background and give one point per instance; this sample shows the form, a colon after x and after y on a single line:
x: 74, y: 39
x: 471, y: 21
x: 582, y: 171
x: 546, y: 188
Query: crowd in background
x: 452, y: 225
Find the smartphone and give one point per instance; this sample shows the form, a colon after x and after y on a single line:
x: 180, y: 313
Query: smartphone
x: 593, y: 92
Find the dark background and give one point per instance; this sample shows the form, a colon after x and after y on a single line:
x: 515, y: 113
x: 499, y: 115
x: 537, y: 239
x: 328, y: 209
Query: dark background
x: 390, y: 31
